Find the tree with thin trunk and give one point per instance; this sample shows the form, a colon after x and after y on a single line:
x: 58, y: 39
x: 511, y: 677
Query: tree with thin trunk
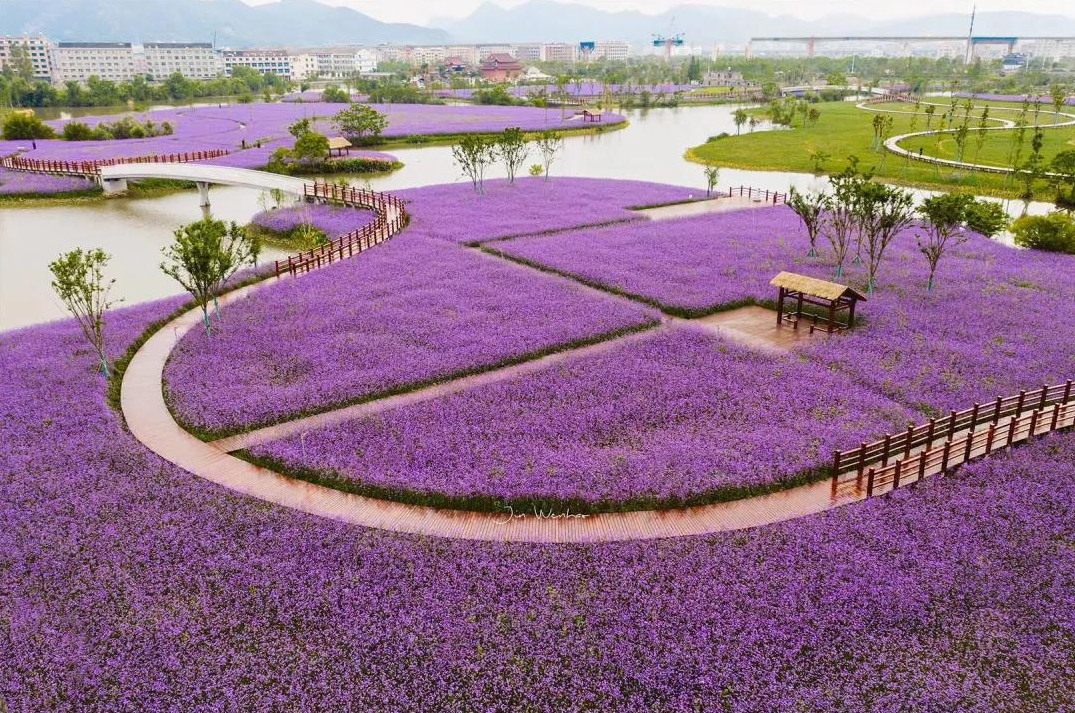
x: 712, y: 175
x: 200, y: 260
x: 1059, y: 96
x: 943, y: 217
x: 881, y: 212
x: 78, y: 280
x: 512, y: 148
x: 809, y: 207
x: 840, y: 224
x: 474, y: 154
x: 238, y: 248
x: 740, y: 117
x: 930, y: 110
x: 549, y: 143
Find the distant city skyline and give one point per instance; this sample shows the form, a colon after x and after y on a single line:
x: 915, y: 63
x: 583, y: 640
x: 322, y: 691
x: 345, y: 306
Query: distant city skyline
x: 423, y: 12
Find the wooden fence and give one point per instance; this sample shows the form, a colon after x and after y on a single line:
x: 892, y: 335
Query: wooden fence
x: 762, y: 195
x: 941, y: 444
x: 391, y: 215
x: 93, y: 168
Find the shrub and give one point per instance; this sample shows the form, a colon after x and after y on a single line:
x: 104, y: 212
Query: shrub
x: 986, y: 217
x: 718, y: 137
x: 335, y: 95
x: 76, y: 131
x: 1054, y: 232
x: 23, y: 125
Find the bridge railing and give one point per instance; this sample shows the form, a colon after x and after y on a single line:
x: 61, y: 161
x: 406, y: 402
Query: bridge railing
x: 761, y: 194
x: 93, y: 168
x: 391, y: 216
x: 943, y: 443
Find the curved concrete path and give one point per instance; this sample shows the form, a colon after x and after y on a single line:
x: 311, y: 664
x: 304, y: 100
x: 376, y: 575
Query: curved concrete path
x: 892, y: 144
x: 148, y: 417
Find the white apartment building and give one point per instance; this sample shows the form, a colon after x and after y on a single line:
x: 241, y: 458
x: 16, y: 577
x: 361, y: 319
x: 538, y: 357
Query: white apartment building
x: 559, y: 52
x: 36, y: 47
x: 303, y: 66
x: 264, y: 61
x: 194, y: 60
x: 394, y: 53
x: 428, y: 55
x: 611, y: 49
x: 1050, y: 49
x: 527, y: 52
x: 467, y: 53
x: 78, y: 61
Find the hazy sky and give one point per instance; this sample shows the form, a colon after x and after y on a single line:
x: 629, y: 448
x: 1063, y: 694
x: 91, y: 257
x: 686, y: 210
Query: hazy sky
x: 420, y: 11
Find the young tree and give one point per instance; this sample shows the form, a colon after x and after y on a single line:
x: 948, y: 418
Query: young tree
x: 740, y: 117
x: 943, y: 217
x: 311, y: 147
x: 809, y: 207
x: 1059, y: 96
x: 986, y: 217
x: 712, y: 175
x: 474, y: 154
x: 1033, y: 169
x: 512, y: 148
x: 881, y: 213
x: 819, y: 157
x: 334, y: 95
x: 549, y: 143
x: 360, y: 123
x: 78, y: 280
x: 205, y: 254
x: 1063, y: 165
x: 929, y: 110
x: 841, y: 221
x: 753, y: 122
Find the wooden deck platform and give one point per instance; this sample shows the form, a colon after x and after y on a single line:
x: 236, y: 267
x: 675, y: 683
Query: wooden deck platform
x: 702, y: 207
x: 756, y: 327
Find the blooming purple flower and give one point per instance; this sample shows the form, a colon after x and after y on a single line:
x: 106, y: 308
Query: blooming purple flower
x: 332, y: 220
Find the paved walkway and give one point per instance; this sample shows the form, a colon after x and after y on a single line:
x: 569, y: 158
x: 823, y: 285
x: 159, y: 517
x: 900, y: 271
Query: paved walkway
x: 702, y: 207
x: 147, y: 415
x: 893, y: 146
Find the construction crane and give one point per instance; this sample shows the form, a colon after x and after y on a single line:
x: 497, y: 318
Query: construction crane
x: 668, y: 41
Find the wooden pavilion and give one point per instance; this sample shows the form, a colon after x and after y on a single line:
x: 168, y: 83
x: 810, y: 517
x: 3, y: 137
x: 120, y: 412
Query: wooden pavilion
x: 591, y: 116
x: 833, y: 298
x: 338, y: 144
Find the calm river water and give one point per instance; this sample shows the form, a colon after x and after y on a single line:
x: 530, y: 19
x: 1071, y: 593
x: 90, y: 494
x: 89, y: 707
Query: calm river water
x: 135, y: 230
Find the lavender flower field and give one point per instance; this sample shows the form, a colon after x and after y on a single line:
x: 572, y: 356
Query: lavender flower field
x: 663, y: 419
x: 413, y: 311
x: 532, y: 205
x: 21, y: 183
x: 333, y: 221
x: 127, y: 584
x: 988, y: 328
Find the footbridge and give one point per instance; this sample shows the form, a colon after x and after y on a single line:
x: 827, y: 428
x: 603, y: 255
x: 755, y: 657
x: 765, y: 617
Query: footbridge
x: 114, y: 178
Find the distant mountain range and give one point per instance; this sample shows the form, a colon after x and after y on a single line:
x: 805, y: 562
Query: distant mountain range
x: 230, y: 22
x: 309, y: 23
x: 704, y: 24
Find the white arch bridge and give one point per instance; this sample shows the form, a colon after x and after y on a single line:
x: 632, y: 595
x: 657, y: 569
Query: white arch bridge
x: 114, y: 178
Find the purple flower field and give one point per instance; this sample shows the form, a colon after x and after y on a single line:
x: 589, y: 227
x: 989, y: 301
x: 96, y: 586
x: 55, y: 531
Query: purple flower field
x: 16, y: 182
x: 454, y: 212
x: 228, y: 126
x: 411, y: 311
x: 332, y: 220
x: 988, y: 329
x: 129, y: 585
x: 574, y: 89
x: 664, y: 418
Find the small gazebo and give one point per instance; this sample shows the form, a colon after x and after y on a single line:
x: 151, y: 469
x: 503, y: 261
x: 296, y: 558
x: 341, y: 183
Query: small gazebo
x: 834, y: 299
x: 338, y: 144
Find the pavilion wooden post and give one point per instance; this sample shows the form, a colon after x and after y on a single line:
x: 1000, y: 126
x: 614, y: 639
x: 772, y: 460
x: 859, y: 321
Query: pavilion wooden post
x: 780, y: 307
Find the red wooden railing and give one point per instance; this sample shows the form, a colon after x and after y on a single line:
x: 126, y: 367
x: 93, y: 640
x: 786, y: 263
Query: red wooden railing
x: 763, y: 195
x: 941, y: 444
x: 391, y: 217
x: 93, y: 168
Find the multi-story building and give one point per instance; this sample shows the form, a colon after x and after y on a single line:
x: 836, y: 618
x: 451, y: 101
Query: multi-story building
x: 36, y: 48
x: 467, y: 54
x: 78, y: 61
x: 1052, y: 49
x: 527, y: 52
x: 194, y: 60
x: 264, y: 61
x: 559, y: 52
x: 428, y: 55
x: 611, y: 49
x: 500, y: 67
x: 394, y: 53
x: 303, y: 65
x: 487, y: 51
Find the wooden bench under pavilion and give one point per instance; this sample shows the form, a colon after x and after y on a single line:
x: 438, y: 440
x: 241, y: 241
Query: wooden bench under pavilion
x: 835, y: 299
x: 338, y: 144
x: 592, y: 116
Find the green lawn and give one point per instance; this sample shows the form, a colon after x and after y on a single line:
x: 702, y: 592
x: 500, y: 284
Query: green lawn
x: 844, y: 130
